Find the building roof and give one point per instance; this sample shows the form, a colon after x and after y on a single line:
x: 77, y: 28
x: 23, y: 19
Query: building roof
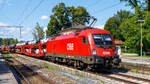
x: 119, y: 42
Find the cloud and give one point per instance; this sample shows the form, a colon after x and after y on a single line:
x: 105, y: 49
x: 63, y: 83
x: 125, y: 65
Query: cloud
x: 11, y: 30
x: 7, y: 32
x: 26, y: 31
x: 2, y: 29
x: 44, y: 17
x: 1, y: 33
x: 2, y: 24
x: 100, y: 27
x: 26, y: 34
x: 45, y: 28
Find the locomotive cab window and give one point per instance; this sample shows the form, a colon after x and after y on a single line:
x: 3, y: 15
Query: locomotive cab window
x: 84, y: 40
x: 101, y: 40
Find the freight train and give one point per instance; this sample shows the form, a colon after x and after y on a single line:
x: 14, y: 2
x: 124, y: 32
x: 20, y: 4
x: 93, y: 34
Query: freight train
x: 82, y: 47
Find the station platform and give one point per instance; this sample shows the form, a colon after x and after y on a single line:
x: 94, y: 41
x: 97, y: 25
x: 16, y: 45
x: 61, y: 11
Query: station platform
x: 136, y: 60
x: 6, y: 75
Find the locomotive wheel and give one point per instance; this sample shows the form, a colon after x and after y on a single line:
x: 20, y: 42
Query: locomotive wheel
x: 71, y: 62
x: 53, y: 59
x: 47, y: 58
x: 81, y: 65
x: 89, y: 67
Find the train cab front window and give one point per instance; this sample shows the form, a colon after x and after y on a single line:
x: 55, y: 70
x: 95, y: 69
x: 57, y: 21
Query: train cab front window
x: 101, y: 40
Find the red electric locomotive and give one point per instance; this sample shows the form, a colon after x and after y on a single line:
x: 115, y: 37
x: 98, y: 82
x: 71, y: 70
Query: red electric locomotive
x: 86, y: 47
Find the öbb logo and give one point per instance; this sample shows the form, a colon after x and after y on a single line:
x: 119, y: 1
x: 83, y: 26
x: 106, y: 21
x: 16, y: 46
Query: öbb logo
x: 70, y: 46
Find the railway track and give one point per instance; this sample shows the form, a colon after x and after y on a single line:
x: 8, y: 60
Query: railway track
x: 21, y: 76
x: 133, y: 77
x: 127, y: 79
x: 29, y: 76
x: 124, y: 78
x: 140, y: 67
x: 117, y: 79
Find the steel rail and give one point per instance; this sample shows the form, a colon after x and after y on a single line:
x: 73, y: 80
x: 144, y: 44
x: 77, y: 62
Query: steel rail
x: 21, y: 74
x: 43, y: 77
x: 132, y: 77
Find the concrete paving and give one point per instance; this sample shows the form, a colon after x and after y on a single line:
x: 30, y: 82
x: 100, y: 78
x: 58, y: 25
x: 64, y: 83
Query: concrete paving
x: 6, y: 75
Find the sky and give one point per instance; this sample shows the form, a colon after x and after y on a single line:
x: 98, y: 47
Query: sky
x: 27, y: 13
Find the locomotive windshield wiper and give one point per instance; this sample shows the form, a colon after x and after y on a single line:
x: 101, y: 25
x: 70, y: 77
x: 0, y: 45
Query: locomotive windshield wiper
x: 102, y: 46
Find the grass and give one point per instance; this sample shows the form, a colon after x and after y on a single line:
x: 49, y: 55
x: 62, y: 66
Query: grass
x: 6, y: 56
x: 79, y: 74
x: 50, y: 67
x: 58, y: 69
x: 141, y: 72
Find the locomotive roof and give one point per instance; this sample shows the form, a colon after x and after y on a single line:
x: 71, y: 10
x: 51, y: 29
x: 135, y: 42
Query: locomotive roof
x: 77, y: 29
x: 84, y: 32
x: 72, y: 29
x: 95, y: 30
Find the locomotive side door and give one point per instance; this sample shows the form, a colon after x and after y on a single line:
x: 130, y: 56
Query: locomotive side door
x: 84, y: 46
x: 54, y: 46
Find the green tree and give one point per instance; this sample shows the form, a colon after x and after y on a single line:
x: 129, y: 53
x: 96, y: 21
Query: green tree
x: 145, y: 4
x: 132, y: 3
x: 1, y: 41
x: 136, y: 4
x: 38, y: 32
x: 114, y: 22
x: 147, y: 8
x: 122, y: 15
x: 63, y: 17
x: 53, y: 27
x: 148, y: 5
x: 8, y: 41
x: 131, y: 31
x: 112, y: 25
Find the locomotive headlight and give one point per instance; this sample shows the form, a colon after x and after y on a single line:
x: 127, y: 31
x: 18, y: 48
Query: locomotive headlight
x: 94, y: 52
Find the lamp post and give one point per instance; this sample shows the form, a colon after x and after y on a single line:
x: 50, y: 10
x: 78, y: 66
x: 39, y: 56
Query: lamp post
x: 141, y: 44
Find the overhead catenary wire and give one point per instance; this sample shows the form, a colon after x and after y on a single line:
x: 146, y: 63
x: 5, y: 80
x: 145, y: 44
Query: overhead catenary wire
x: 94, y: 3
x: 106, y: 8
x: 34, y: 9
x: 2, y: 6
x: 13, y: 27
x: 25, y: 8
x: 6, y: 18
